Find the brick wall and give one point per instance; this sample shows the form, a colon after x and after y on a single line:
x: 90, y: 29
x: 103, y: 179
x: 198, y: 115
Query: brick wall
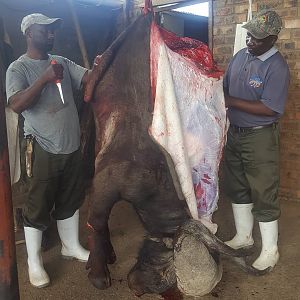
x: 229, y: 12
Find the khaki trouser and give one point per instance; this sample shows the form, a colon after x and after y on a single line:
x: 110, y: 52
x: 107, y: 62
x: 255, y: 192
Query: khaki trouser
x: 55, y: 188
x: 252, y: 170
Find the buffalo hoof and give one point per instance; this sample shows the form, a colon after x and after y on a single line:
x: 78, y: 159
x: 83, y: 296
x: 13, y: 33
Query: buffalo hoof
x: 100, y: 283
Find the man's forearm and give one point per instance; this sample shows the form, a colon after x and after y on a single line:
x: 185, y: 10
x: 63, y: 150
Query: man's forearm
x: 253, y: 107
x: 86, y: 77
x: 28, y: 97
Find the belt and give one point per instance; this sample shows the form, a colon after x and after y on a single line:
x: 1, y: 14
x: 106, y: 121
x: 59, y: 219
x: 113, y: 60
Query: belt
x: 248, y: 129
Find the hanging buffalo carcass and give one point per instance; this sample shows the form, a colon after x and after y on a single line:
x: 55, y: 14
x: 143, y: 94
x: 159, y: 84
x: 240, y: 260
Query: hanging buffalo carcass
x: 159, y: 155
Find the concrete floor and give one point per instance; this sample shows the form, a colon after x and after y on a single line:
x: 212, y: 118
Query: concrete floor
x: 69, y: 278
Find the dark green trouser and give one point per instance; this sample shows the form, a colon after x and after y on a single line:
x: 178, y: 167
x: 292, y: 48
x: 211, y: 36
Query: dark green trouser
x: 56, y: 188
x: 252, y: 170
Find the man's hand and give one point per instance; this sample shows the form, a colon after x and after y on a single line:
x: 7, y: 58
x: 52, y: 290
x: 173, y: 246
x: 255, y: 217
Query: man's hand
x: 90, y: 78
x: 255, y: 107
x: 53, y: 73
x: 28, y: 97
x: 104, y: 58
x: 97, y: 61
x: 228, y: 100
x: 95, y: 68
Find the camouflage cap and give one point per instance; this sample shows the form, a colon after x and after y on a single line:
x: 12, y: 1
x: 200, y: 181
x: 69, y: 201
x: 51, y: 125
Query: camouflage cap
x: 265, y: 23
x: 37, y: 18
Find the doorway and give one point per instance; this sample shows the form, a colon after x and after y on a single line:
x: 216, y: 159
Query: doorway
x: 186, y: 19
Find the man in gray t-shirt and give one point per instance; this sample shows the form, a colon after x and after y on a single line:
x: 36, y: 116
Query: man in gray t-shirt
x: 51, y: 127
x: 53, y: 124
x: 255, y: 87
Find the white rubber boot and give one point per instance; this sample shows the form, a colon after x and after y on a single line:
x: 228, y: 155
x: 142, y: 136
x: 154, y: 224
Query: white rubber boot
x: 37, y: 274
x: 269, y: 255
x: 68, y: 232
x: 243, y: 220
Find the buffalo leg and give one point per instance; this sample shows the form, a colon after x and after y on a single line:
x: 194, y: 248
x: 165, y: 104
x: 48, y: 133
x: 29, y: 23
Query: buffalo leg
x: 99, y: 273
x: 109, y: 250
x: 101, y: 249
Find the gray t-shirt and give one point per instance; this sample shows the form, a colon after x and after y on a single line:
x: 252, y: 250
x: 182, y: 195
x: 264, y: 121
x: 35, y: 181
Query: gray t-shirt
x: 54, y: 125
x: 265, y: 78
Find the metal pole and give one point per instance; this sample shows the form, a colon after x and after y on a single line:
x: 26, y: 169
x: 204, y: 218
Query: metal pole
x: 9, y: 286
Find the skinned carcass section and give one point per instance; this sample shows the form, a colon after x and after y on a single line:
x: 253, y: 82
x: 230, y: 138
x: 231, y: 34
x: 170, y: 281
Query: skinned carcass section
x: 189, y: 118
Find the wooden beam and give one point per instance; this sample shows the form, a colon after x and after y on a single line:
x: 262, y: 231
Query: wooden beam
x: 79, y: 35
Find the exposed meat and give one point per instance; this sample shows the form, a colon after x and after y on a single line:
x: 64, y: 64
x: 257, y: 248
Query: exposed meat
x: 189, y: 118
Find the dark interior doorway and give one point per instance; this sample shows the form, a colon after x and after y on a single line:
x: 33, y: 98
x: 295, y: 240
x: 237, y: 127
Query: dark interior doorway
x: 187, y: 22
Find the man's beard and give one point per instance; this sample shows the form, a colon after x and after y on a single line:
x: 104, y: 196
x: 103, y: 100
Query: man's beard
x: 44, y: 47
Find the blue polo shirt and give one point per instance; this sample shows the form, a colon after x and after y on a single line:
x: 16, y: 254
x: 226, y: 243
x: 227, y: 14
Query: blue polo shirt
x: 265, y: 78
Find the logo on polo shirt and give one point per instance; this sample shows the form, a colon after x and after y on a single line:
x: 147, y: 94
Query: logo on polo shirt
x: 255, y: 81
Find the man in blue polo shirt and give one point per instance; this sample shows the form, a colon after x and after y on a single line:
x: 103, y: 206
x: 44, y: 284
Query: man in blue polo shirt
x: 255, y: 88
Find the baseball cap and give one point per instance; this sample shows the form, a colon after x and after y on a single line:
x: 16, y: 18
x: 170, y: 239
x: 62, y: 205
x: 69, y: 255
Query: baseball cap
x: 37, y: 18
x: 265, y: 23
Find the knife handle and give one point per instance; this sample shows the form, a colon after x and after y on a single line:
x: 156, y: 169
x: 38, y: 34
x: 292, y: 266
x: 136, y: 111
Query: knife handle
x: 54, y: 62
